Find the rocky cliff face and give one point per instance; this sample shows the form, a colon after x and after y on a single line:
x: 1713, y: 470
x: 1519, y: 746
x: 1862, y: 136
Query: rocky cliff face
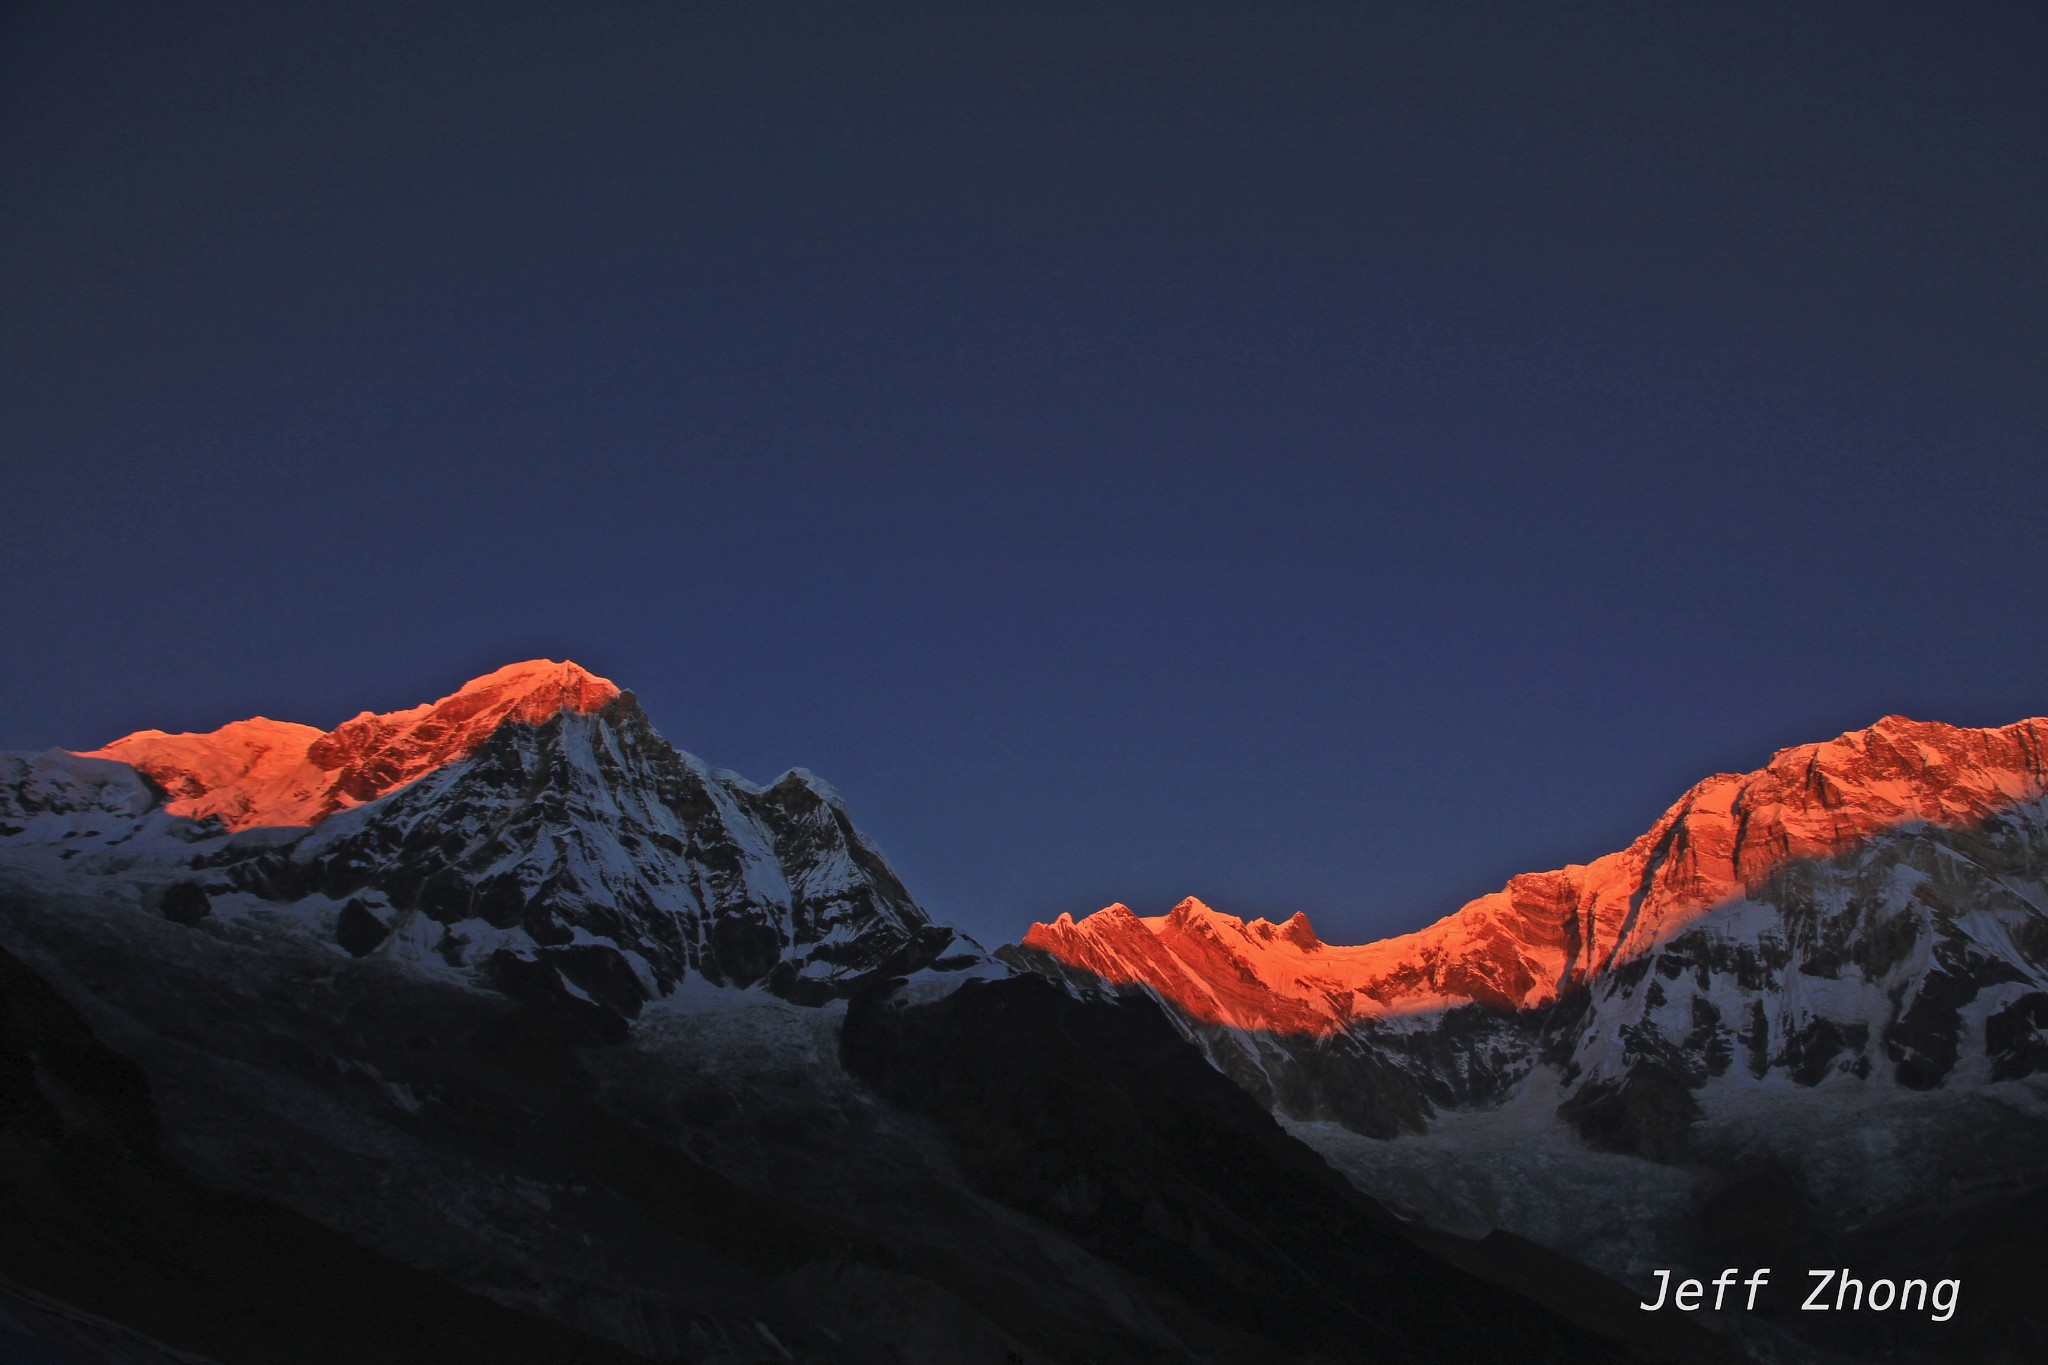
x: 531, y: 828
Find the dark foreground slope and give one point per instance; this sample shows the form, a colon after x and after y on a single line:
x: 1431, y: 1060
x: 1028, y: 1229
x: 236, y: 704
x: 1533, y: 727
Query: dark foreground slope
x: 92, y: 1212
x: 1099, y: 1119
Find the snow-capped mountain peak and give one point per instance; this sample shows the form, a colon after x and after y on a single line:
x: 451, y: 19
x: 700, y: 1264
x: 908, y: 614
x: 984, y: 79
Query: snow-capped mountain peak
x: 531, y: 826
x: 260, y: 771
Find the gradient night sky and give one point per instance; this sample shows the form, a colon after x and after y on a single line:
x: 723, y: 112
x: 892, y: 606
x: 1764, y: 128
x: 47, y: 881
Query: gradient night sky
x: 1310, y: 457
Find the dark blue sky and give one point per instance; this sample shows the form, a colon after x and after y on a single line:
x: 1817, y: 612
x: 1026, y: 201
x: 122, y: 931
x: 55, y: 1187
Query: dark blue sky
x: 1312, y: 456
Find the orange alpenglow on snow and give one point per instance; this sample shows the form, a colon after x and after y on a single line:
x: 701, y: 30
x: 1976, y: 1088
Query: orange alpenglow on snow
x: 1522, y: 945
x: 271, y: 772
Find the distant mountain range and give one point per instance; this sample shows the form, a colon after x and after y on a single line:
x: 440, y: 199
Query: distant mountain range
x: 505, y: 998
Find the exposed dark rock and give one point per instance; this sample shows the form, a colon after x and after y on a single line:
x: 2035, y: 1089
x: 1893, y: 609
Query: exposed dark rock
x: 1885, y: 943
x: 1923, y: 1039
x: 744, y: 949
x: 258, y: 871
x: 358, y: 929
x: 1757, y: 1041
x: 186, y: 903
x: 1650, y: 1113
x: 2016, y: 1038
x: 602, y: 973
x: 555, y: 1014
x: 1810, y: 1052
x: 446, y: 896
x: 1709, y: 1046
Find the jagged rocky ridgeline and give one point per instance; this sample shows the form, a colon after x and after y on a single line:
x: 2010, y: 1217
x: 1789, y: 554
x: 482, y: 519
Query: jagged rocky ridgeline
x: 1869, y: 909
x: 532, y: 827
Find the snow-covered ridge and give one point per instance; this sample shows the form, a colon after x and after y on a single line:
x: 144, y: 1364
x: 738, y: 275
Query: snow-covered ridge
x: 1524, y: 945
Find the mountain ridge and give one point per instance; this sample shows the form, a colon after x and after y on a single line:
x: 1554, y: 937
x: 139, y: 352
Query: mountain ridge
x: 1527, y: 943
